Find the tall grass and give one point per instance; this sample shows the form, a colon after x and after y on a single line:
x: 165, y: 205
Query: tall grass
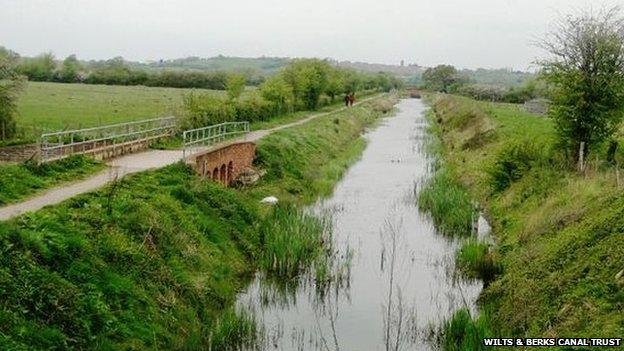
x: 461, y: 332
x: 291, y: 239
x: 476, y: 260
x: 448, y: 203
x: 234, y: 330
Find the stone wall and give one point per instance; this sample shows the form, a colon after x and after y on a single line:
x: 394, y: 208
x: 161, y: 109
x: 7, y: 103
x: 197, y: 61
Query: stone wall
x: 225, y: 163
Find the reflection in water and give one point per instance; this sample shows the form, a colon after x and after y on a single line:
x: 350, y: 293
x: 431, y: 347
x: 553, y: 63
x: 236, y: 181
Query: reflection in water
x: 388, y: 276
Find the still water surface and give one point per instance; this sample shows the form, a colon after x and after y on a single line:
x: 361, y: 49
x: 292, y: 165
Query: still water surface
x: 399, y: 280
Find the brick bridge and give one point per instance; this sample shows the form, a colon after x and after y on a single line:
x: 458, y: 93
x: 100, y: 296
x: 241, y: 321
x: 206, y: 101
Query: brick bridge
x: 224, y: 163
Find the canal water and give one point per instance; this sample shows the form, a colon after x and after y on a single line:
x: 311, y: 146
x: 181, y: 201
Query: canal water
x: 394, y: 277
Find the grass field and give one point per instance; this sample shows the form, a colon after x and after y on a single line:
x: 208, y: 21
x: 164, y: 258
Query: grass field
x: 54, y: 106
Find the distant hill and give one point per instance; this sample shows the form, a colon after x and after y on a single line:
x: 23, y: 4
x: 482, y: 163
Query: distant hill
x: 223, y: 63
x: 403, y: 71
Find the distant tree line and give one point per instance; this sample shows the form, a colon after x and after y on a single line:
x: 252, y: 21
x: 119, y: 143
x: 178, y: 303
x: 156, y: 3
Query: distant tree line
x: 446, y: 78
x: 304, y: 84
x: 116, y: 71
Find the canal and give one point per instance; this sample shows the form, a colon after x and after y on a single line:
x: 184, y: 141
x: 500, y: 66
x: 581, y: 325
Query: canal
x: 393, y: 273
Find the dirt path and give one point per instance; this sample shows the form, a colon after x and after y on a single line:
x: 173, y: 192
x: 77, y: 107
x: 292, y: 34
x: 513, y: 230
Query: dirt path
x: 122, y: 166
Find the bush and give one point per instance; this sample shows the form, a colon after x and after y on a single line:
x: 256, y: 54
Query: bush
x: 254, y: 108
x: 207, y: 109
x: 513, y: 161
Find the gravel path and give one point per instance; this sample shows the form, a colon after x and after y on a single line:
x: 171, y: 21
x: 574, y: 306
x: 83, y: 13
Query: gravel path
x: 122, y: 166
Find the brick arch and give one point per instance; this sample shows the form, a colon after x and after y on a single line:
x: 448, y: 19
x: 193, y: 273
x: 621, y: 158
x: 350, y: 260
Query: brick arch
x: 233, y: 158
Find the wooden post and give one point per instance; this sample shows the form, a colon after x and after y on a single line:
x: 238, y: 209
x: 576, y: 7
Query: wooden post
x: 581, y: 165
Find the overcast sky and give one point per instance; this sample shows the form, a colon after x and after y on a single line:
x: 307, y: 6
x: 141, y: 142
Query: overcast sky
x: 465, y: 33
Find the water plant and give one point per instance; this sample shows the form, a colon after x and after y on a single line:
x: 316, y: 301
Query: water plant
x: 448, y: 203
x: 461, y: 332
x: 234, y: 329
x: 476, y: 260
x: 291, y: 239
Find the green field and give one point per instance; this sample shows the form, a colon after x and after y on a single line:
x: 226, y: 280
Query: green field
x: 54, y: 106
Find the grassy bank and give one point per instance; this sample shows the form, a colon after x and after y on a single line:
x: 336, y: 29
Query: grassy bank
x: 19, y: 181
x: 155, y: 260
x: 559, y: 233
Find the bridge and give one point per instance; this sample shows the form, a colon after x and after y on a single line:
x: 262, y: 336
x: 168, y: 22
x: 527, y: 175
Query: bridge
x: 225, y: 160
x: 209, y: 150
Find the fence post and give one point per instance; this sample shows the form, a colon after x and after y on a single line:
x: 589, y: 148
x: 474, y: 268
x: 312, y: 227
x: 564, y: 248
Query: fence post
x: 581, y: 165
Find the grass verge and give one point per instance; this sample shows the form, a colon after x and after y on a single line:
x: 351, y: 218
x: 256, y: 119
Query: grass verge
x: 19, y: 181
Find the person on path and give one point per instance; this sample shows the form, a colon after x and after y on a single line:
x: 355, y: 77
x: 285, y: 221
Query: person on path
x: 351, y: 98
x: 347, y: 99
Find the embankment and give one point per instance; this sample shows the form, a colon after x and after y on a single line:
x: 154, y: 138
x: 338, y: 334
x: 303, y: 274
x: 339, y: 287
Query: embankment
x: 154, y: 261
x: 559, y: 234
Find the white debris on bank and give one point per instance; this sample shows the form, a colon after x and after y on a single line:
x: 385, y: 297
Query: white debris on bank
x: 272, y: 200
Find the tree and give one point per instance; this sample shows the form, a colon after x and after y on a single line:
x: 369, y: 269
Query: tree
x: 335, y: 84
x: 235, y: 85
x: 41, y: 68
x: 275, y: 90
x: 308, y: 80
x: 441, y: 78
x: 586, y: 72
x: 70, y: 69
x: 10, y: 85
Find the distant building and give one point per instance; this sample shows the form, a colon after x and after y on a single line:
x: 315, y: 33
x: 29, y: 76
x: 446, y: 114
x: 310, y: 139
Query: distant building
x: 402, y: 63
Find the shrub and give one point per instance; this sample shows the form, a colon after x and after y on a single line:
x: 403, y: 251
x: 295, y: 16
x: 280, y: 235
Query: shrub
x: 513, y: 161
x: 235, y: 85
x: 254, y: 108
x: 207, y: 109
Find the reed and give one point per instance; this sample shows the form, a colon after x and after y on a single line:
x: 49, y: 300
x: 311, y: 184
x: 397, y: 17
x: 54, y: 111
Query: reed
x: 448, y: 203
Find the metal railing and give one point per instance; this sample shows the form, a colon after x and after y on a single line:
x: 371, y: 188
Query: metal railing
x: 58, y: 145
x: 212, y: 134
